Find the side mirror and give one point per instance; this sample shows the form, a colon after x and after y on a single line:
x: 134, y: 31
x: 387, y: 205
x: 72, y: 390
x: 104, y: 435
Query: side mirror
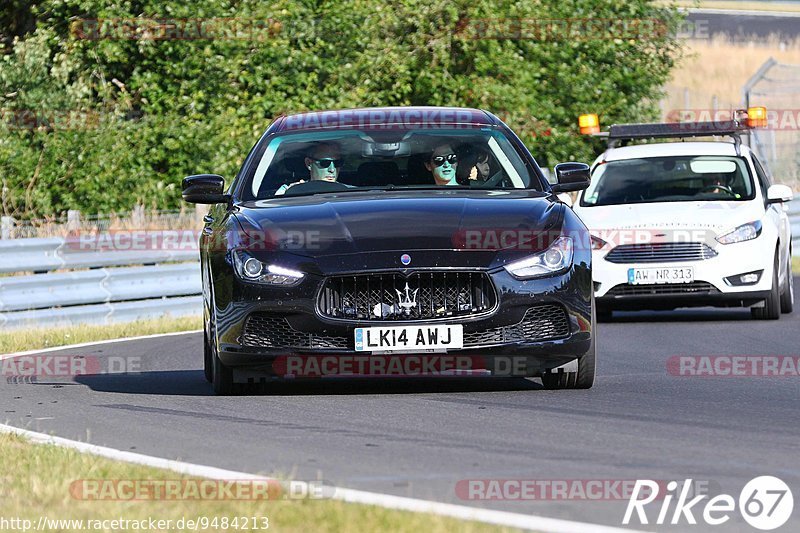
x: 571, y: 177
x: 779, y: 193
x: 204, y: 189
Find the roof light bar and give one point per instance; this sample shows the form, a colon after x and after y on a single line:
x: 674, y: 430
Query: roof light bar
x: 745, y: 120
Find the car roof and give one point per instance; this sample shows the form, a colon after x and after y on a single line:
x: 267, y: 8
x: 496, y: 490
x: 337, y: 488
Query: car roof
x: 672, y: 149
x: 376, y: 117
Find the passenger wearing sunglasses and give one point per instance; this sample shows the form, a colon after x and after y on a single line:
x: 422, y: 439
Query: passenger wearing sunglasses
x: 323, y: 163
x: 443, y: 163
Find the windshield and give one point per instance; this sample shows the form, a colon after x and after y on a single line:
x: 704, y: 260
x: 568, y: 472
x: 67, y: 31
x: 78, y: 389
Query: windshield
x: 352, y: 160
x: 669, y: 179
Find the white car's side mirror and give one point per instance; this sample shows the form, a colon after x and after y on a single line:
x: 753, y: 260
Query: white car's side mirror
x: 779, y: 193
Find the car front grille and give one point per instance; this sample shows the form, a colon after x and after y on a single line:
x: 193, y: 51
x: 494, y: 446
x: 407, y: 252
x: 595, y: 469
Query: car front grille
x: 418, y: 296
x: 666, y: 252
x: 540, y: 323
x: 666, y: 289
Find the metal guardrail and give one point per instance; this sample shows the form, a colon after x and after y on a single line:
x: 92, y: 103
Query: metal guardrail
x: 98, y: 286
x: 111, y: 290
x: 43, y: 255
x: 103, y: 313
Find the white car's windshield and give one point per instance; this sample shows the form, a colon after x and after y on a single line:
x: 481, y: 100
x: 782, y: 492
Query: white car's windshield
x: 669, y: 179
x: 345, y: 160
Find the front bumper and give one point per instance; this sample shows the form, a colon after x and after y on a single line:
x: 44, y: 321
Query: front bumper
x: 493, y: 344
x: 712, y: 280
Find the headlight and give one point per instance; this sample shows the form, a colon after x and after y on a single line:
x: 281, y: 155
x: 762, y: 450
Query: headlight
x: 745, y: 232
x: 556, y: 258
x: 251, y: 269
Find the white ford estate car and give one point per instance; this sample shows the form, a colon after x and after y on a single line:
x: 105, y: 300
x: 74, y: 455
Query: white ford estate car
x: 682, y: 224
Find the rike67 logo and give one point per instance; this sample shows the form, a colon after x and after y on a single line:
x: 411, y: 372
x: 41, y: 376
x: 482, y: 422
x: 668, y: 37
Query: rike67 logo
x: 765, y: 503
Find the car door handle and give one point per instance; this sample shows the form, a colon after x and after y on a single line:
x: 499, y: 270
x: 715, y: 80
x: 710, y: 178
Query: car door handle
x: 208, y: 219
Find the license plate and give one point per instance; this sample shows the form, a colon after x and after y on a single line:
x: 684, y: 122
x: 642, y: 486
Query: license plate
x: 409, y: 338
x: 654, y: 276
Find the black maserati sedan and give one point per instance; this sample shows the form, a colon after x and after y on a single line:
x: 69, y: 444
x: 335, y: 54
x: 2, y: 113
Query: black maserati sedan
x: 397, y: 241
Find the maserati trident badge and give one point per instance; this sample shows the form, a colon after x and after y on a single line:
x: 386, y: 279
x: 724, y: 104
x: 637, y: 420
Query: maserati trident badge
x: 407, y: 299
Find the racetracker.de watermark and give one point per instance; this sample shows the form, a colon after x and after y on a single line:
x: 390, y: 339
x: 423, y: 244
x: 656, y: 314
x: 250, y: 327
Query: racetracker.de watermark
x: 399, y: 365
x: 37, y: 367
x: 186, y: 29
x: 733, y: 366
x: 528, y: 239
x: 132, y: 240
x: 52, y: 119
x: 562, y: 489
x: 198, y: 489
x: 379, y: 119
x: 785, y: 119
x: 561, y: 29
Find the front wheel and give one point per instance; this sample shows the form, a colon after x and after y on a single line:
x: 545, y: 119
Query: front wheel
x: 787, y: 298
x: 208, y: 360
x: 583, y: 378
x: 222, y: 376
x: 772, y: 306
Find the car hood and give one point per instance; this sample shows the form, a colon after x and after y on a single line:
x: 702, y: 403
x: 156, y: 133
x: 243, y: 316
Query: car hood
x: 380, y: 226
x: 713, y: 217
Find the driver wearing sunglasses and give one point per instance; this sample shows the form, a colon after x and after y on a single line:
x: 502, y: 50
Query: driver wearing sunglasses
x: 323, y: 163
x: 443, y: 163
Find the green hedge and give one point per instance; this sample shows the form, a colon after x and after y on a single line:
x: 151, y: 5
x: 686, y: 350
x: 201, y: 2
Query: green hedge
x: 99, y: 122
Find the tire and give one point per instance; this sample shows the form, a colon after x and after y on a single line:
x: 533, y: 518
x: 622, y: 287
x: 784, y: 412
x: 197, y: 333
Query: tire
x: 604, y: 314
x: 772, y: 305
x: 787, y: 297
x: 587, y: 365
x: 222, y: 376
x: 208, y: 361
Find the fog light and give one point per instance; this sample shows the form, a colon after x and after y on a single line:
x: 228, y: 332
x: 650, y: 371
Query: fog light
x: 748, y: 278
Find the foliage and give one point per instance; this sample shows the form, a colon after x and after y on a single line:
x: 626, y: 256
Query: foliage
x: 97, y: 120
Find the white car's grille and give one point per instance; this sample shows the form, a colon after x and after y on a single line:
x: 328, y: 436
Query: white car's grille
x: 665, y: 252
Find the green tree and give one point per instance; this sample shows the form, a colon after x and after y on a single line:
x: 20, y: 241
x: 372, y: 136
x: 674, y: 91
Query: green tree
x: 165, y: 108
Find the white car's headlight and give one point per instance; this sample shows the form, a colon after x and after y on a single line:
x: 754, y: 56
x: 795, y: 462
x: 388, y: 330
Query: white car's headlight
x: 251, y: 269
x: 745, y: 232
x: 556, y: 258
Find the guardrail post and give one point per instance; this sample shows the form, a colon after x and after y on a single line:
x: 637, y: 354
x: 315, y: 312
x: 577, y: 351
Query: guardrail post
x: 7, y: 225
x: 137, y: 217
x: 73, y: 220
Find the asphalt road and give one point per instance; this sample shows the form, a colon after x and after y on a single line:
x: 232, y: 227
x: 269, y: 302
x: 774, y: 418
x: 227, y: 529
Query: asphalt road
x: 420, y: 439
x: 741, y: 26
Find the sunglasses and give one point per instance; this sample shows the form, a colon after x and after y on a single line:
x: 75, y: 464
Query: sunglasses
x: 440, y: 159
x: 326, y: 163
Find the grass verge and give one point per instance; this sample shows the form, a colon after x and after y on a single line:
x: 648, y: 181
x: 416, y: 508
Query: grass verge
x: 36, y: 338
x: 796, y: 265
x: 38, y: 485
x: 708, y: 72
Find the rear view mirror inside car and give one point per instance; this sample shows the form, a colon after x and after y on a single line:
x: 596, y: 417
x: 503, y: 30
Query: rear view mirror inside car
x: 706, y: 166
